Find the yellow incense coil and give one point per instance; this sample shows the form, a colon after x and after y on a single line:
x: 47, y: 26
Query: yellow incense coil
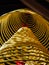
x: 12, y: 21
x: 23, y: 45
x: 17, y: 42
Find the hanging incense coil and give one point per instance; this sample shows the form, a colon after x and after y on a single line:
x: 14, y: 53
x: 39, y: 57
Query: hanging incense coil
x: 12, y: 21
x: 23, y: 45
x: 9, y: 25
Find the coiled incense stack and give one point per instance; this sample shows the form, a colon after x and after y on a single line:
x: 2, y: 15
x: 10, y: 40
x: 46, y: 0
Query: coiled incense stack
x: 24, y: 43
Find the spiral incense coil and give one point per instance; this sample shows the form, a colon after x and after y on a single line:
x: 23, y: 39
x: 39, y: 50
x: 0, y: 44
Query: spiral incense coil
x: 23, y: 46
x: 24, y: 35
x: 12, y: 21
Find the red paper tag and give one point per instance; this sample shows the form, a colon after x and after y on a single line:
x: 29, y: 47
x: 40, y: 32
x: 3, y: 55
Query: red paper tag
x: 20, y: 63
x: 24, y: 25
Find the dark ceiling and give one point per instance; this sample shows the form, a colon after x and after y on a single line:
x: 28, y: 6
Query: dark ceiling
x: 9, y: 5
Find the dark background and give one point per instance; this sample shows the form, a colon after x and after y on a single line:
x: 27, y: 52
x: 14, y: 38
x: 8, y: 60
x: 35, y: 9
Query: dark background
x: 9, y: 5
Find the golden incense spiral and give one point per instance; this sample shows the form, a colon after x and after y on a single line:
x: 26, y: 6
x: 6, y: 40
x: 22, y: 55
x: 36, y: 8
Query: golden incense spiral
x: 24, y: 35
